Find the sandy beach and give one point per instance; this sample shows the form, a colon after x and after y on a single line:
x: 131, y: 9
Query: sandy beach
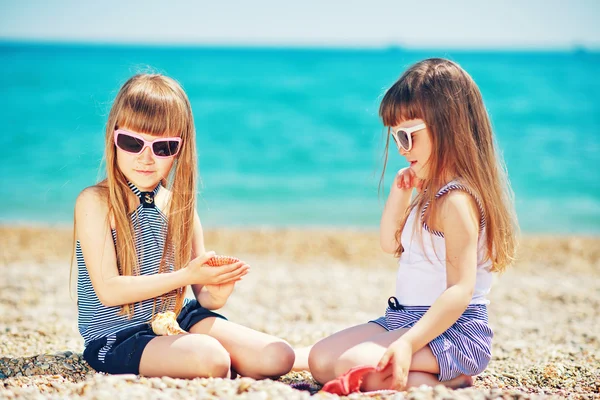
x: 306, y: 284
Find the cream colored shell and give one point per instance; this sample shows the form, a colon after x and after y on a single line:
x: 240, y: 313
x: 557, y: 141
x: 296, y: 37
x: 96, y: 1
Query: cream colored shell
x: 165, y: 324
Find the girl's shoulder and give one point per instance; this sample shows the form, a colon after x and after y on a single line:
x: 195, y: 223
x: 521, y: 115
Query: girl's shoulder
x: 459, y: 201
x: 92, y: 200
x: 457, y: 193
x: 94, y: 194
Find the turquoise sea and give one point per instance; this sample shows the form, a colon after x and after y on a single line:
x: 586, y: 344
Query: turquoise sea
x: 291, y: 137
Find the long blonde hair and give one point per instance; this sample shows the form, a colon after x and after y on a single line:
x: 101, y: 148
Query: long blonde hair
x: 156, y: 105
x: 446, y: 98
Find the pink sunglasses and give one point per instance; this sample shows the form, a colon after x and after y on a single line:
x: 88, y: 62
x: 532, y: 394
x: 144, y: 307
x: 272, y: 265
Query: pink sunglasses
x: 135, y: 144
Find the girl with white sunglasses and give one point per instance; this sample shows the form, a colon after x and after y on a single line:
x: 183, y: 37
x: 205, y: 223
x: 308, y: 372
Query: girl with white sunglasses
x: 450, y: 220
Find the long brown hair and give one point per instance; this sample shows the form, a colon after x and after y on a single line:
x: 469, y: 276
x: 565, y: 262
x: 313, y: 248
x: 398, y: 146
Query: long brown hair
x: 442, y: 94
x: 156, y: 105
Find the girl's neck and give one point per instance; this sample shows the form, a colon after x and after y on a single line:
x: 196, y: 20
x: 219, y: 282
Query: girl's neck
x: 134, y: 194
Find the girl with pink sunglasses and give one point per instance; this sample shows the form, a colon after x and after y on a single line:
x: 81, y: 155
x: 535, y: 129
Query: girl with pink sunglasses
x: 139, y: 244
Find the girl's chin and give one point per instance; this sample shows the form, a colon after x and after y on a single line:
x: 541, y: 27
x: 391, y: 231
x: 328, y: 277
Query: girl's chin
x: 144, y: 183
x: 417, y: 171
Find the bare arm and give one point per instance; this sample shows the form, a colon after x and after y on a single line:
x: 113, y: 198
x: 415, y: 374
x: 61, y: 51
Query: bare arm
x: 460, y: 223
x: 112, y: 289
x: 395, y: 209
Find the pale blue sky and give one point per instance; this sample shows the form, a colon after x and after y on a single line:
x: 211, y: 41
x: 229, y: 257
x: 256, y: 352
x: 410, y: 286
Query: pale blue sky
x: 349, y: 23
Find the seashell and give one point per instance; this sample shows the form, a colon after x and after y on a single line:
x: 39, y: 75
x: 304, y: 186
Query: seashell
x: 165, y: 324
x: 218, y: 261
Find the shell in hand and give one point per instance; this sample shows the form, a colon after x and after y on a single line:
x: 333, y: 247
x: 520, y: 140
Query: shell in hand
x: 218, y: 261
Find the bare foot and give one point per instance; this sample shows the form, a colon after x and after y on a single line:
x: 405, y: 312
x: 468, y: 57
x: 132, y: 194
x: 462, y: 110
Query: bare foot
x: 301, y: 361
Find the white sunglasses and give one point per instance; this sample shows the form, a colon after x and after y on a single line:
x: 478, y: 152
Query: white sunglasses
x: 403, y: 137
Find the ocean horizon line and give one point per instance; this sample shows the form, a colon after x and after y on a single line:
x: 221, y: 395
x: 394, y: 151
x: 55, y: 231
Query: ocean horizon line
x: 302, y: 47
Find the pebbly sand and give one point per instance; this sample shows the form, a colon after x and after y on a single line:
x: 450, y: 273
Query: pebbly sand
x: 304, y: 285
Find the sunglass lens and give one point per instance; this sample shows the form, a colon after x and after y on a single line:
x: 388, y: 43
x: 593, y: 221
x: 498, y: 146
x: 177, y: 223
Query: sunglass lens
x: 129, y: 143
x: 165, y: 148
x: 404, y: 140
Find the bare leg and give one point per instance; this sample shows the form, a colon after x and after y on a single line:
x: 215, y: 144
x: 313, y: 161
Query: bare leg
x: 301, y: 361
x: 365, y: 345
x: 370, y: 352
x: 253, y: 354
x: 325, y: 354
x: 185, y: 356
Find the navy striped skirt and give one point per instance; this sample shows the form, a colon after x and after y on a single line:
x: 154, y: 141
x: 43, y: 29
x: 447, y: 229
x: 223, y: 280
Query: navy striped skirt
x: 465, y: 348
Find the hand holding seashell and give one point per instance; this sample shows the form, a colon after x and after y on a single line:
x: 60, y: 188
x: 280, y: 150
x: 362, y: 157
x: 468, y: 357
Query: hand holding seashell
x: 223, y: 269
x: 165, y: 324
x: 220, y: 292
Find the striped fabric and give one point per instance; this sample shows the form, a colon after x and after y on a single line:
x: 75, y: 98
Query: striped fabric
x: 98, y: 321
x: 446, y: 189
x: 465, y: 348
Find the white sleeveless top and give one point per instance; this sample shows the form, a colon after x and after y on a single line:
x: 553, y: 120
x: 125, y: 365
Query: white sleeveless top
x: 421, y: 277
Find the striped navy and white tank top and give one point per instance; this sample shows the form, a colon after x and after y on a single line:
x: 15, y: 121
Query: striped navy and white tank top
x: 149, y: 229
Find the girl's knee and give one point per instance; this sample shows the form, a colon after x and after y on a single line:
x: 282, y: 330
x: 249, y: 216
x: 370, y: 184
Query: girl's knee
x: 278, y: 359
x: 321, y: 362
x: 209, y: 358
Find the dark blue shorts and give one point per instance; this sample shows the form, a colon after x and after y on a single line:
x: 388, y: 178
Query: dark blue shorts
x: 120, y: 353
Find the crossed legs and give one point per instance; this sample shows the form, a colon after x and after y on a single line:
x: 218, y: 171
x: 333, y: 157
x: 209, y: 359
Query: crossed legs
x: 212, y: 347
x: 365, y: 345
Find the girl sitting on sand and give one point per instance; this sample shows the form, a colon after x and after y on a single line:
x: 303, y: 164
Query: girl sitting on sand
x: 457, y: 230
x: 140, y: 243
